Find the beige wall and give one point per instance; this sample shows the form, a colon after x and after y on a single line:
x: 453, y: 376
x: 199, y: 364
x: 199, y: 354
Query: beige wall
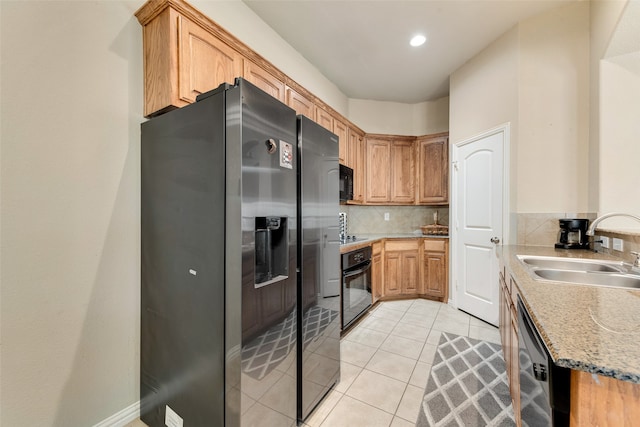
x: 484, y: 95
x: 604, y: 17
x: 619, y: 144
x: 71, y: 110
x: 536, y: 78
x: 553, y: 109
x: 400, y: 119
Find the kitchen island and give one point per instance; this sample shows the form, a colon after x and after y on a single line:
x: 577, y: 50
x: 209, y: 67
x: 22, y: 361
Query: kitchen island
x: 592, y: 330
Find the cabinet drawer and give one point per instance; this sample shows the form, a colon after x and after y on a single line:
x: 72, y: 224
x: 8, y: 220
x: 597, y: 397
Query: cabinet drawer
x: 434, y: 245
x: 401, y: 245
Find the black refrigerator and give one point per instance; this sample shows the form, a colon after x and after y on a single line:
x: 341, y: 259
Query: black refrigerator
x: 219, y: 262
x: 234, y: 331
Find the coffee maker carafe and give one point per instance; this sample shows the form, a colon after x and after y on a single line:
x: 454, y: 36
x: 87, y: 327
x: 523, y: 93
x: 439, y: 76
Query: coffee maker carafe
x: 573, y: 234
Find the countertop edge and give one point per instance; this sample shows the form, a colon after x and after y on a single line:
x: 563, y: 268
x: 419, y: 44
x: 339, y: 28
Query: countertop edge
x: 563, y: 349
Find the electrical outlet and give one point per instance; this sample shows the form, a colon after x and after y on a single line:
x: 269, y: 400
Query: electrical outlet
x: 605, y: 241
x: 171, y: 419
x: 386, y: 216
x: 617, y: 244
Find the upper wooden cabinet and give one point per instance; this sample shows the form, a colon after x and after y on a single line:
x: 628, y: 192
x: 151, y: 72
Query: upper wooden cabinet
x: 300, y: 103
x: 181, y: 59
x: 378, y: 171
x: 403, y: 171
x: 433, y: 169
x: 264, y: 80
x: 356, y: 161
x: 390, y: 170
x: 323, y: 118
x: 186, y: 54
x: 341, y: 130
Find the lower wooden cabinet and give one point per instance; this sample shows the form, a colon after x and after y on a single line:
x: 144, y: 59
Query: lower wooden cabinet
x: 401, y: 267
x: 376, y: 272
x: 596, y: 400
x: 508, y: 326
x: 416, y: 267
x: 435, y: 268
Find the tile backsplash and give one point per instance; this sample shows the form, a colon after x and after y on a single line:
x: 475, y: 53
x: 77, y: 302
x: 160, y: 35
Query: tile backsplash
x: 363, y: 220
x: 541, y: 229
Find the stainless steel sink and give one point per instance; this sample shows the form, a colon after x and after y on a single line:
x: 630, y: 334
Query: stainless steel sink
x: 582, y: 271
x: 617, y: 280
x: 573, y: 264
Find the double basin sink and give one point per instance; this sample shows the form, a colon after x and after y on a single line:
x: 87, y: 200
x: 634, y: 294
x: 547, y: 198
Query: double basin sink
x: 597, y: 272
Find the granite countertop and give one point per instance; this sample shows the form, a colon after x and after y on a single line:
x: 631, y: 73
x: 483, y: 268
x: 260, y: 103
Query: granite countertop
x: 588, y: 328
x: 368, y: 239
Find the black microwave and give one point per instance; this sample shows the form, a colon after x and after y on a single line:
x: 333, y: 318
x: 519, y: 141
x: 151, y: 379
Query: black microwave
x: 346, y: 183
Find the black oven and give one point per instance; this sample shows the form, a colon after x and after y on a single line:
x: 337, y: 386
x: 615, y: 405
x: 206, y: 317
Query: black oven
x: 346, y: 183
x: 355, y: 297
x: 544, y: 386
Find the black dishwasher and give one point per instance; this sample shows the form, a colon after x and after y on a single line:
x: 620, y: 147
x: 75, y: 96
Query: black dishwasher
x: 544, y: 386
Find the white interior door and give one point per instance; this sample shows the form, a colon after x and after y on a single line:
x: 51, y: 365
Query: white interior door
x: 478, y: 176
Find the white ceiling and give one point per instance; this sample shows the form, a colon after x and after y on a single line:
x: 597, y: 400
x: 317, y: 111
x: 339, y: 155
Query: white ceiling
x: 363, y: 46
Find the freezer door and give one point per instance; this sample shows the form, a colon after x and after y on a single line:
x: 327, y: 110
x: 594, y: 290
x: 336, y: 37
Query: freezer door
x: 320, y: 279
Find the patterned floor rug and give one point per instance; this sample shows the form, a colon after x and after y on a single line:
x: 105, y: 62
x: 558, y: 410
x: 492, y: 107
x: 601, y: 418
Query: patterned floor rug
x: 467, y: 386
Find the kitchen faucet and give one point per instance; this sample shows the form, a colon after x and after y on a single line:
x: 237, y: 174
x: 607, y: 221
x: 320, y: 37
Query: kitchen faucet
x: 592, y: 228
x: 596, y: 221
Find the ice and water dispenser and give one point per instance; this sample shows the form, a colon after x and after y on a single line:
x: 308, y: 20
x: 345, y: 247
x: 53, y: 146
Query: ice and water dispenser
x: 271, y: 250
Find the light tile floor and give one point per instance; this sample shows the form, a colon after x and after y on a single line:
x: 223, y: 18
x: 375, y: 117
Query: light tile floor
x: 385, y: 363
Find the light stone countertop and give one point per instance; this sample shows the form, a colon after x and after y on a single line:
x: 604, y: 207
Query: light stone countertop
x: 369, y: 239
x: 589, y: 328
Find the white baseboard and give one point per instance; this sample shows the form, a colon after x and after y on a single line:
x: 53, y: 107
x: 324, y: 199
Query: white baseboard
x: 122, y: 418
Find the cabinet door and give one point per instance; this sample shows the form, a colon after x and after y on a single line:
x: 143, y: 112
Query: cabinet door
x: 402, y: 267
x: 514, y: 353
x: 264, y: 80
x: 410, y: 265
x: 377, y: 284
x: 341, y: 131
x: 323, y: 118
x: 435, y: 268
x: 356, y: 161
x: 377, y: 185
x: 504, y: 324
x: 392, y: 273
x: 402, y: 172
x: 300, y: 103
x: 433, y: 170
x: 204, y: 61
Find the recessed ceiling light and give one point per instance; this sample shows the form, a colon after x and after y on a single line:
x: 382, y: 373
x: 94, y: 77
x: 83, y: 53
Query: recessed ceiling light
x: 418, y: 40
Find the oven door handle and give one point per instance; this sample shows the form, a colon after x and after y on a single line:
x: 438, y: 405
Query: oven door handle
x: 352, y: 273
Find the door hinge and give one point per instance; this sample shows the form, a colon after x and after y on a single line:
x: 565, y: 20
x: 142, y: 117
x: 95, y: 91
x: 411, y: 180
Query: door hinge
x: 455, y: 165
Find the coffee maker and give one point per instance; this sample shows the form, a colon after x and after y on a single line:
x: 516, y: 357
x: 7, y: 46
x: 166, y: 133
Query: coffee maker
x: 573, y: 234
